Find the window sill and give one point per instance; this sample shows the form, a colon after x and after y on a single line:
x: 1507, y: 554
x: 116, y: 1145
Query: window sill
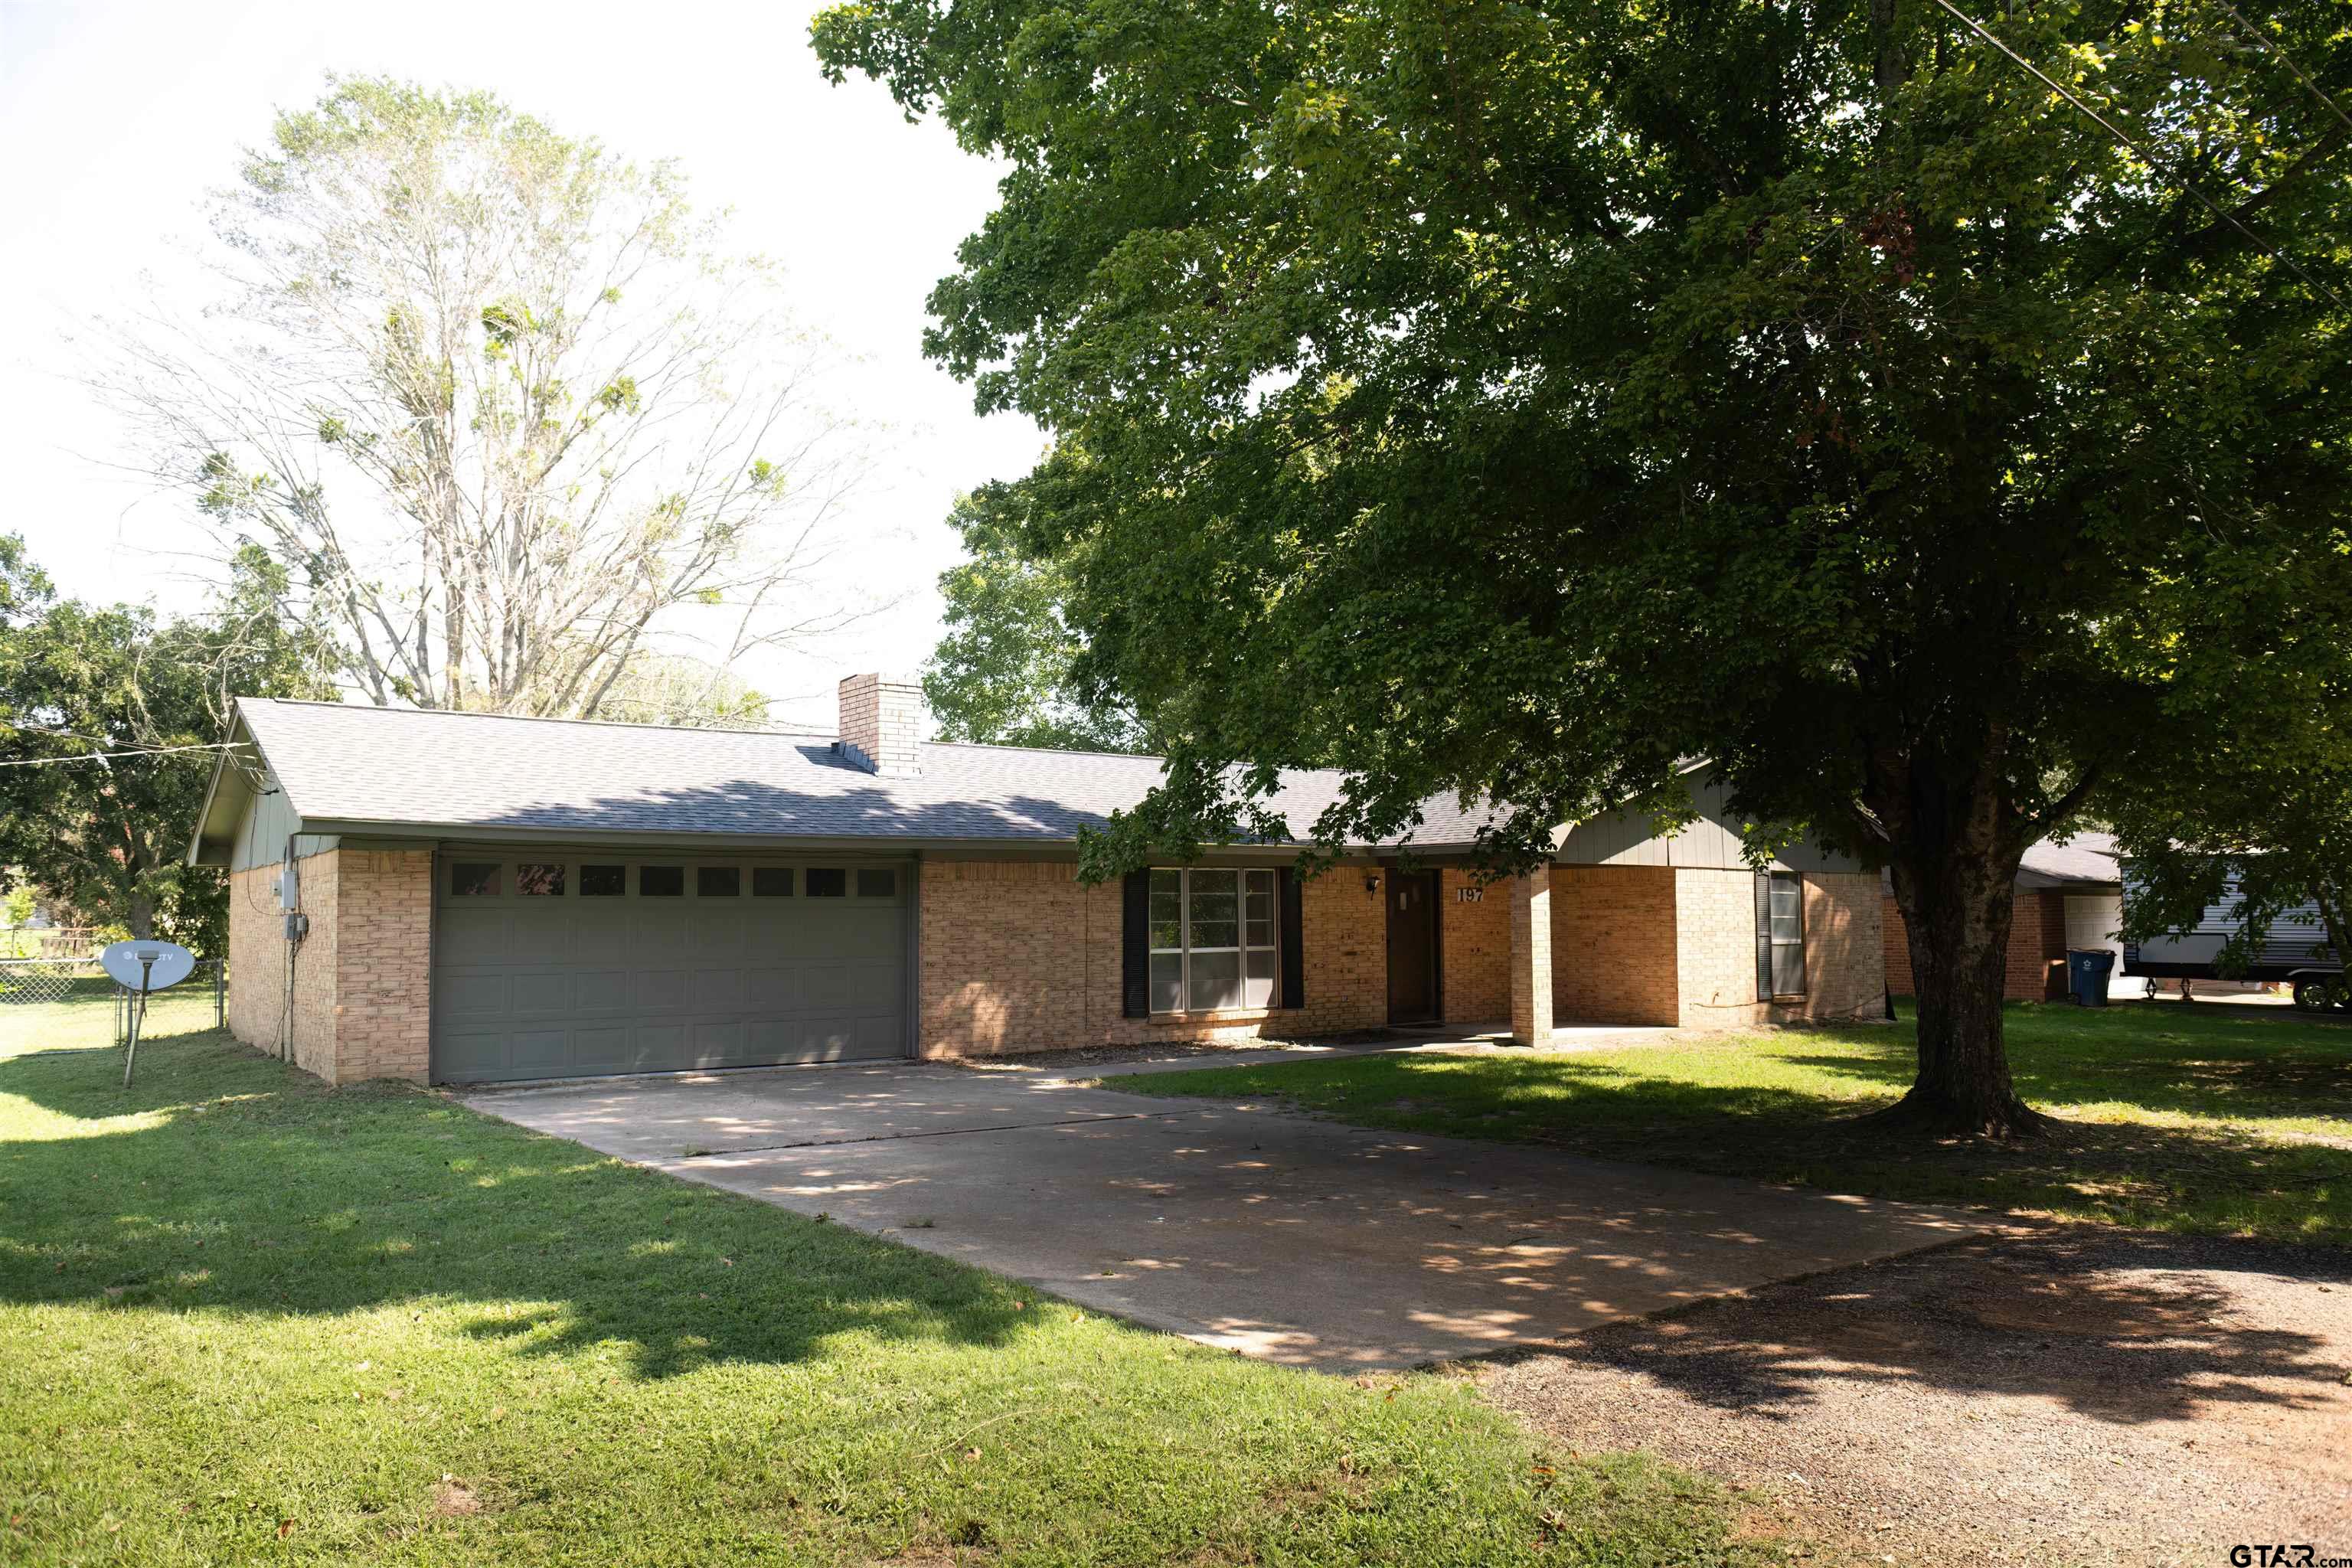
x: 1220, y: 1015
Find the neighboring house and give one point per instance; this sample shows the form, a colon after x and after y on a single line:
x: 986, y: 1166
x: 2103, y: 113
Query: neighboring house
x: 482, y: 898
x: 2069, y: 895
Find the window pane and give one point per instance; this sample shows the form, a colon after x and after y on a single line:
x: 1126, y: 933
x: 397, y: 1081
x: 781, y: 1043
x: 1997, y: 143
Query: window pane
x: 534, y: 881
x: 718, y: 882
x: 1216, y: 909
x: 1258, y: 978
x: 1167, y: 982
x: 772, y: 882
x: 877, y: 884
x: 661, y: 881
x: 827, y: 882
x: 604, y: 882
x: 1167, y: 910
x: 1216, y: 979
x: 474, y: 878
x: 1787, y: 907
x: 1788, y: 970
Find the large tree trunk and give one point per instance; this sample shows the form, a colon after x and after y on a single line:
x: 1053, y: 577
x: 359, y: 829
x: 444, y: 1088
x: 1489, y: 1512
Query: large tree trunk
x: 139, y: 913
x: 1957, y: 899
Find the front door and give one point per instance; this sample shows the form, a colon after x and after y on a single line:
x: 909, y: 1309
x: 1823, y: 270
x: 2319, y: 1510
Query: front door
x: 1412, y: 947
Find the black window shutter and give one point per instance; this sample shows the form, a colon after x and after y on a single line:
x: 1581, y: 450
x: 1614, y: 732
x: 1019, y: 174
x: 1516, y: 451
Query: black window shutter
x: 1135, y: 945
x: 1763, y: 936
x: 1293, y: 939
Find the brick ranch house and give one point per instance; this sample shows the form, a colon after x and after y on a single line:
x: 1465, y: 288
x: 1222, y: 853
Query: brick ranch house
x: 2068, y: 895
x: 465, y: 897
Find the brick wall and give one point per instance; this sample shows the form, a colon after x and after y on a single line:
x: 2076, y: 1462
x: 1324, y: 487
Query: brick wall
x: 2037, y: 936
x: 1845, y: 963
x: 1613, y: 949
x: 1475, y: 940
x: 257, y: 969
x: 1715, y: 922
x: 1019, y: 957
x: 1714, y: 948
x: 1531, y: 927
x: 882, y: 717
x: 383, y: 979
x: 363, y: 988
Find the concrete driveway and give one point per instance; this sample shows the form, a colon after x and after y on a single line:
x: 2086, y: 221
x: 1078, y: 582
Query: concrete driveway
x: 1299, y: 1240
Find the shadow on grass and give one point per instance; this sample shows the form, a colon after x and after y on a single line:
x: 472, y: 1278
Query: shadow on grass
x: 231, y: 1185
x: 2213, y: 1061
x: 2124, y: 1328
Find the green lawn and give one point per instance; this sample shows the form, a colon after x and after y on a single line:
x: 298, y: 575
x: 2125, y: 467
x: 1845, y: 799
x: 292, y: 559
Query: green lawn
x: 244, y: 1318
x: 2208, y: 1118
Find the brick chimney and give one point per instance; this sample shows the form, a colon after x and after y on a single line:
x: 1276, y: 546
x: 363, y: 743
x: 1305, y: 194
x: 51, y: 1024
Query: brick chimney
x: 882, y: 724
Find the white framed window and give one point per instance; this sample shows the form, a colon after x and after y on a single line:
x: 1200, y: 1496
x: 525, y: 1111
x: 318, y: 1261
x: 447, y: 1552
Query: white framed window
x: 1212, y: 940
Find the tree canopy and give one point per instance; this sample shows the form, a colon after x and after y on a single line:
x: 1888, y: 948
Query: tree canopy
x: 1509, y: 399
x: 104, y: 835
x: 1005, y: 671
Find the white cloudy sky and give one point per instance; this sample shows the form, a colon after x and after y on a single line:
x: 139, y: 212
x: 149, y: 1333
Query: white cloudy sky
x: 116, y: 118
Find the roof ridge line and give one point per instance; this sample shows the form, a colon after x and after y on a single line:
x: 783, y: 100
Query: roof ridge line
x: 542, y: 719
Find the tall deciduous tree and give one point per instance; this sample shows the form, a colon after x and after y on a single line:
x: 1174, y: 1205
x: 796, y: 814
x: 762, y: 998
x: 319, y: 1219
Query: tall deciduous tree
x: 498, y: 400
x: 1511, y: 398
x: 1004, y: 673
x: 104, y: 833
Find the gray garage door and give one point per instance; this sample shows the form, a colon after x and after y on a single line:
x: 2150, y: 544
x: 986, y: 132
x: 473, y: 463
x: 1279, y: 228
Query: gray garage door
x: 547, y: 965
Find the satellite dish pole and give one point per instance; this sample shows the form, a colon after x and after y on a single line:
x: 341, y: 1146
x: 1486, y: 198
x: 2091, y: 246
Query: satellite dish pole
x: 144, y: 968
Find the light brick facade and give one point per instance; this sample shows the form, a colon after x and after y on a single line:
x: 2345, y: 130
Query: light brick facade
x: 1473, y: 948
x: 882, y: 721
x: 1613, y: 945
x: 1020, y: 956
x: 1532, y: 931
x: 361, y: 976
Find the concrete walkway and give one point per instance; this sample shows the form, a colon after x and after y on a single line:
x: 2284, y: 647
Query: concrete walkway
x: 1283, y: 1237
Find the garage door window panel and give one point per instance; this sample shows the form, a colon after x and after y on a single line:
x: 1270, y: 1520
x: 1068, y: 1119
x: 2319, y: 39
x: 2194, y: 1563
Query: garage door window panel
x: 539, y: 879
x: 718, y: 882
x: 661, y: 881
x: 474, y: 878
x: 599, y: 881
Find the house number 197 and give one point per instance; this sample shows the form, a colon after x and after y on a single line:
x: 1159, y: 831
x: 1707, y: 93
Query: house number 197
x: 1468, y: 895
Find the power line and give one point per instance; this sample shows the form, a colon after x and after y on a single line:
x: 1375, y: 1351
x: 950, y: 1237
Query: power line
x: 1979, y: 29
x: 107, y: 756
x: 2263, y: 38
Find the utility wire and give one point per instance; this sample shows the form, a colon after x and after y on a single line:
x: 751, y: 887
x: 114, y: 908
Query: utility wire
x: 2263, y: 38
x: 2101, y: 121
x: 106, y: 756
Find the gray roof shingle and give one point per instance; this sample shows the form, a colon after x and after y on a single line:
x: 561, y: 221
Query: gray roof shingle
x: 433, y: 768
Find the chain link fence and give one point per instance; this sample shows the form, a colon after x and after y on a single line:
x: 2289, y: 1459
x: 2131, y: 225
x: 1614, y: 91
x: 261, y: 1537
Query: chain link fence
x: 72, y: 1001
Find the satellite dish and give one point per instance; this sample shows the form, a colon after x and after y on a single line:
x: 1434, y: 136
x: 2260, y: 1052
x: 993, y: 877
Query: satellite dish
x: 148, y: 965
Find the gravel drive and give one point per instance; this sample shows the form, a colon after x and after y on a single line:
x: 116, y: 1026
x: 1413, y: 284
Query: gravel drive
x: 2049, y: 1396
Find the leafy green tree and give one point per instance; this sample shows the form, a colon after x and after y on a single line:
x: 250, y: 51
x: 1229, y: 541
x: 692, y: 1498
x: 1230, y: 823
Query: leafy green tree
x: 1004, y: 672
x: 104, y: 835
x: 1507, y: 399
x: 2263, y: 823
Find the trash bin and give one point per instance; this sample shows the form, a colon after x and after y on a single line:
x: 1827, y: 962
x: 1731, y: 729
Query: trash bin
x: 2088, y: 969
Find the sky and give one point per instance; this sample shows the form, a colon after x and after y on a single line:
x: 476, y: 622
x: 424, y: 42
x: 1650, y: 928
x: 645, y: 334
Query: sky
x: 118, y: 117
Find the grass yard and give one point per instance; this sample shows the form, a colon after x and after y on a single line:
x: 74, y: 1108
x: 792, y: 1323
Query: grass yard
x: 244, y: 1318
x: 2210, y: 1119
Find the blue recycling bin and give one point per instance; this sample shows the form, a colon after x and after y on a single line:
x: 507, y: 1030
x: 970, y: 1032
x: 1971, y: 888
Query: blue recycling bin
x: 2088, y: 969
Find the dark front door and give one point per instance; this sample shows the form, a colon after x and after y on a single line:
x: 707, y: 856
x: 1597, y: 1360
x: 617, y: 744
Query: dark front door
x: 1412, y: 947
